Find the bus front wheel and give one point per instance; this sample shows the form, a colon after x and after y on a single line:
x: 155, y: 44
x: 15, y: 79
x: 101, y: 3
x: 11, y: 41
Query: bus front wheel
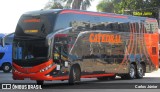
x: 6, y: 67
x: 75, y: 75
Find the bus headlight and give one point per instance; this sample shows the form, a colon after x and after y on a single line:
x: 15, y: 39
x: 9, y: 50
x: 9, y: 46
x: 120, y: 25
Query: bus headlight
x: 46, y: 68
x: 14, y: 70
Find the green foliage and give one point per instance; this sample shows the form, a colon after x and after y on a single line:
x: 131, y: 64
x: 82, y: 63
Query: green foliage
x: 78, y: 4
x: 105, y: 6
x: 53, y: 5
x: 57, y: 6
x: 129, y: 6
x: 71, y: 4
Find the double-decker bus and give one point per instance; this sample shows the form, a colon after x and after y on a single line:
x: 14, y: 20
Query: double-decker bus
x: 6, y: 54
x: 73, y: 44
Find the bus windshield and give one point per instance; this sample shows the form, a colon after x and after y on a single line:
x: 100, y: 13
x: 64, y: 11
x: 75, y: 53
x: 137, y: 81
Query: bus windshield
x: 29, y: 50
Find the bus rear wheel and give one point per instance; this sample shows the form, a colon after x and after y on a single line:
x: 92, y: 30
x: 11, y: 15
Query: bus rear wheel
x: 140, y: 71
x: 6, y: 67
x: 75, y: 75
x: 132, y: 72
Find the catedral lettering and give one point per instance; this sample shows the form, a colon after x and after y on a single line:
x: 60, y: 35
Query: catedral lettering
x: 62, y: 45
x: 110, y: 38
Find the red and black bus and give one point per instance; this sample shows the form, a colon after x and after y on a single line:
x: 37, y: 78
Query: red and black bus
x: 73, y: 44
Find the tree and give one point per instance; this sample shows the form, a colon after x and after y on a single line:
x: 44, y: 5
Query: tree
x: 130, y: 6
x: 78, y: 4
x: 53, y: 5
x: 105, y: 6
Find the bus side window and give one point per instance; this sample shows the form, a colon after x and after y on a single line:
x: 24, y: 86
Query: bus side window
x: 1, y: 55
x: 151, y: 28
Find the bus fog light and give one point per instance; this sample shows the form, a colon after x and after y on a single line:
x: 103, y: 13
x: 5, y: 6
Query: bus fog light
x: 14, y: 70
x: 48, y: 75
x: 46, y: 68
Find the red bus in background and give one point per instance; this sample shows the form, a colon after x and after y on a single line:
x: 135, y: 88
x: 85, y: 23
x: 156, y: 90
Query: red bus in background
x: 73, y: 44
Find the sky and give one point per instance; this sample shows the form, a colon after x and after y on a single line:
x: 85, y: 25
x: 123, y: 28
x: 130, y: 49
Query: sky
x: 11, y: 10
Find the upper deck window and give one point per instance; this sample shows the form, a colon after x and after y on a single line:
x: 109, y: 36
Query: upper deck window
x: 39, y: 25
x: 151, y: 27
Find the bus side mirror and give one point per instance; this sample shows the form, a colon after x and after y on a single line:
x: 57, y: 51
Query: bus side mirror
x: 3, y: 42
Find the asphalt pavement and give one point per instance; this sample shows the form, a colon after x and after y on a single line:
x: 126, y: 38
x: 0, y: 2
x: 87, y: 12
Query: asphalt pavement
x: 91, y: 84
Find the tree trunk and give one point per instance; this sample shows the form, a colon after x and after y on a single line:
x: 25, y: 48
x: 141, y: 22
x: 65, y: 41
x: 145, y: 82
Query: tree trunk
x: 76, y: 4
x: 84, y: 7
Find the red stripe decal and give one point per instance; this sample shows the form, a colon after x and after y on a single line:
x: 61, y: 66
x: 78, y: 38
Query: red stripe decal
x: 93, y: 14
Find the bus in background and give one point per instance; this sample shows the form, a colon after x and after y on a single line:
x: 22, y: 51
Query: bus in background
x: 73, y: 44
x: 6, y: 54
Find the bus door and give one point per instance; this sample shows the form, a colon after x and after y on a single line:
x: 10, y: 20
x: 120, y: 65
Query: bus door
x: 60, y: 52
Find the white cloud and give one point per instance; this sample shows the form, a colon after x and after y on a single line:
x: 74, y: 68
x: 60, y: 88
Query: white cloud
x: 93, y: 5
x: 11, y: 10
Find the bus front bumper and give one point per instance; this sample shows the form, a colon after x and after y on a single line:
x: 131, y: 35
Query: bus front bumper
x: 39, y: 72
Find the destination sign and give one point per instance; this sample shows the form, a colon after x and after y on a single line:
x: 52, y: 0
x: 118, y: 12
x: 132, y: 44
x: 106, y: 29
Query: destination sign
x: 31, y: 31
x: 31, y: 20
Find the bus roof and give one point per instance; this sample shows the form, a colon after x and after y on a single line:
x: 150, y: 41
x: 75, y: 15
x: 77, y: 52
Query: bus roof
x: 103, y: 14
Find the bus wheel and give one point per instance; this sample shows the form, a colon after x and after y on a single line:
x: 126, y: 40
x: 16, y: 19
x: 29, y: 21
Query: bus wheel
x: 140, y: 71
x: 40, y: 82
x: 75, y: 75
x: 132, y: 72
x: 6, y: 67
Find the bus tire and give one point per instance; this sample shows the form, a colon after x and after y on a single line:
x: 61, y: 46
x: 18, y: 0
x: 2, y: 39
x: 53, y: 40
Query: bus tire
x: 6, y: 67
x: 140, y: 71
x: 74, y: 75
x: 132, y: 72
x: 40, y: 82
